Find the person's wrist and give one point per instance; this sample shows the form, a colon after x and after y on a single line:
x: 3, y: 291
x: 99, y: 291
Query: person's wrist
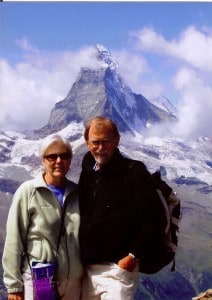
x: 16, y: 296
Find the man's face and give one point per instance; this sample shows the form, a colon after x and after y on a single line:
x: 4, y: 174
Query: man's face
x: 101, y: 143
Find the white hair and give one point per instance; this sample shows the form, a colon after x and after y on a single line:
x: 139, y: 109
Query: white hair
x: 49, y: 140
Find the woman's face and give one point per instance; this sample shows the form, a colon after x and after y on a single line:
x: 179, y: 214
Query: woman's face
x: 56, y: 161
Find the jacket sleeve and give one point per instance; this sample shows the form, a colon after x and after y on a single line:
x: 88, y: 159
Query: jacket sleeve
x: 149, y: 219
x: 16, y: 230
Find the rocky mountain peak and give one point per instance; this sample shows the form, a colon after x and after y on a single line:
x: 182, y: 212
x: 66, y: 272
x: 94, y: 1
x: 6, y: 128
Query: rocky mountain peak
x: 104, y: 92
x: 105, y: 56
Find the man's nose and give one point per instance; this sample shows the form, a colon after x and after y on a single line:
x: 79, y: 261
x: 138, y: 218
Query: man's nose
x: 100, y: 145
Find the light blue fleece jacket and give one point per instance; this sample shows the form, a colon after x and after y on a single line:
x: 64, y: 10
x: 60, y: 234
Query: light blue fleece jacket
x: 33, y: 226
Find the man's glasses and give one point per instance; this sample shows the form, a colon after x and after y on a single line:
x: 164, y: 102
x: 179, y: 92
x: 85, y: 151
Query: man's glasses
x: 53, y: 157
x: 97, y: 143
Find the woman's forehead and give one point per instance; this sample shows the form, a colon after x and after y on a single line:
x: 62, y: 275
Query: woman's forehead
x: 57, y: 145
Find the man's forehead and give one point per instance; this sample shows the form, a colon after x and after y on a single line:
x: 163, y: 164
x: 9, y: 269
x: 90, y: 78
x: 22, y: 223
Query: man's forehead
x: 100, y: 128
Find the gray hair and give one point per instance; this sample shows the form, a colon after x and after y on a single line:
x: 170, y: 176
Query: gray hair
x: 49, y: 140
x: 99, y: 121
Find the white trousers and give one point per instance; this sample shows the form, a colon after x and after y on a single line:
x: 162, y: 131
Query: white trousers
x: 68, y: 290
x: 109, y: 282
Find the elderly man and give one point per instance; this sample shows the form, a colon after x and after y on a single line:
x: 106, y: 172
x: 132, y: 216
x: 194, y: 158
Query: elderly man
x: 120, y: 215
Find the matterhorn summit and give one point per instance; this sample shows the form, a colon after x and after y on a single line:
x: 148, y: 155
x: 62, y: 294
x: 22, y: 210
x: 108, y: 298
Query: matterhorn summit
x: 105, y: 56
x: 102, y: 91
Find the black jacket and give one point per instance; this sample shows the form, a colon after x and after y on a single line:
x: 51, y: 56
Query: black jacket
x: 120, y: 211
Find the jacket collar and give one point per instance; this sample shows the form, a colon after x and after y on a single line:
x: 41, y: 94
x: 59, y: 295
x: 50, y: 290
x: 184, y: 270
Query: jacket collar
x: 39, y: 182
x: 89, y: 161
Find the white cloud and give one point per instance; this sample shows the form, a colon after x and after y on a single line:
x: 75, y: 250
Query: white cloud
x: 132, y: 71
x: 195, y: 105
x: 29, y: 90
x: 148, y: 39
x: 193, y: 46
x: 25, y: 44
x: 191, y: 63
x: 133, y: 67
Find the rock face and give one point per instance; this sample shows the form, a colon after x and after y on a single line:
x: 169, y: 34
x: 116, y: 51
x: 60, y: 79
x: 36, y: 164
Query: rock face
x: 102, y: 91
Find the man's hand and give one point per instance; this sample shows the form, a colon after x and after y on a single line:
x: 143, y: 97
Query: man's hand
x: 127, y: 263
x: 16, y: 296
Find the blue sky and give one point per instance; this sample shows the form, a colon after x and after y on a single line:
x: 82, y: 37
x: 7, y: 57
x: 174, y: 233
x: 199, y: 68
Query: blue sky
x: 163, y: 48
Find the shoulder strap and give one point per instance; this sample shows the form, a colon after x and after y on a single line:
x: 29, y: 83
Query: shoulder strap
x: 61, y: 225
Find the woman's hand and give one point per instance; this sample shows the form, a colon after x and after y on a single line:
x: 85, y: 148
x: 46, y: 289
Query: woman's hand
x: 127, y: 263
x: 16, y: 296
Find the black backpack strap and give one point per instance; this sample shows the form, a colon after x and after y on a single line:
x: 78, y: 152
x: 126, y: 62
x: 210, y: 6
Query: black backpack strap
x: 61, y: 225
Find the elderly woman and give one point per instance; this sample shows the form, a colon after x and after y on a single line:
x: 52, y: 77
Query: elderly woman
x: 42, y: 227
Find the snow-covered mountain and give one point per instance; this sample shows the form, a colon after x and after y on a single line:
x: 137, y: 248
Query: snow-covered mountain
x: 164, y: 103
x: 102, y: 91
x: 185, y: 164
